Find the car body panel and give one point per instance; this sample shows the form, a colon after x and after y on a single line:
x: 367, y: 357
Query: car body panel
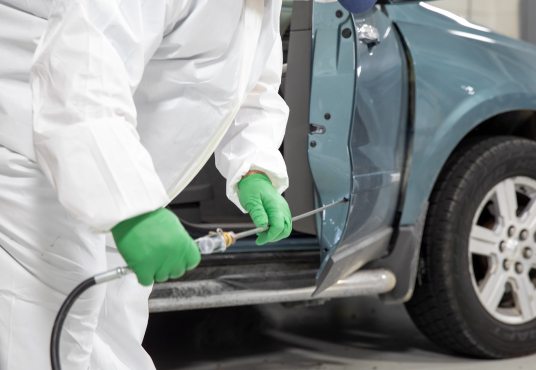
x: 377, y: 142
x: 363, y: 88
x: 332, y: 92
x: 465, y: 74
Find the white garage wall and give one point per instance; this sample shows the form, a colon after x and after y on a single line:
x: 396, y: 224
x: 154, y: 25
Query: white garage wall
x: 499, y: 15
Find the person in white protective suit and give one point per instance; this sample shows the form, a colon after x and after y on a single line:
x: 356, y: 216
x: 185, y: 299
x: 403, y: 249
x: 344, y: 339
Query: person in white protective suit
x: 108, y: 109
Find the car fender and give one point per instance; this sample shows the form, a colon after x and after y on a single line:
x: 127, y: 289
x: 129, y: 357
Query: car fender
x: 464, y: 75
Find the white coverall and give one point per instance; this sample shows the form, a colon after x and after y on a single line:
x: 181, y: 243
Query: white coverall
x: 130, y: 99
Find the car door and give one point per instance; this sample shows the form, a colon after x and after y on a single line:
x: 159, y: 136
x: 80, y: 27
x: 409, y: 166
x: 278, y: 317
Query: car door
x: 358, y: 140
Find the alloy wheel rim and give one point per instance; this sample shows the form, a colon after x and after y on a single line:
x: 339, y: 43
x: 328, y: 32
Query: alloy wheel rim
x: 502, y: 251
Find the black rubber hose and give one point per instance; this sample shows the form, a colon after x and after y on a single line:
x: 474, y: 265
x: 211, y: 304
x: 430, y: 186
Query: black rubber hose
x: 60, y: 319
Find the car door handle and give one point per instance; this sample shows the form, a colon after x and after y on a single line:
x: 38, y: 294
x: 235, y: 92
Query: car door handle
x: 368, y: 34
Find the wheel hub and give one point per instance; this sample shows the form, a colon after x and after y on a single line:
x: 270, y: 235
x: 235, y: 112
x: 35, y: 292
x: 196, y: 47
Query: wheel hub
x: 512, y: 249
x: 501, y: 254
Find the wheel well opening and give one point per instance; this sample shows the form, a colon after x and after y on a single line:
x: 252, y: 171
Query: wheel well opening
x: 520, y: 123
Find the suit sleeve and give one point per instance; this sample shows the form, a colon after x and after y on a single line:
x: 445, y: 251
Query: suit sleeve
x: 87, y: 65
x: 253, y: 140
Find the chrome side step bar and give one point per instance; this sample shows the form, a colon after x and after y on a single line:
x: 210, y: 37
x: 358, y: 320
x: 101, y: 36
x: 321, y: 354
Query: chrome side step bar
x: 190, y: 295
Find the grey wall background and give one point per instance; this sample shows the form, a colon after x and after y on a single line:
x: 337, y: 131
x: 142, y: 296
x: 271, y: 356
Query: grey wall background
x: 527, y: 20
x: 502, y: 16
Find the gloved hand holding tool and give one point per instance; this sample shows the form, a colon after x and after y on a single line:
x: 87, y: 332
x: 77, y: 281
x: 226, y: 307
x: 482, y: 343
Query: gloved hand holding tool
x: 266, y: 207
x: 156, y: 246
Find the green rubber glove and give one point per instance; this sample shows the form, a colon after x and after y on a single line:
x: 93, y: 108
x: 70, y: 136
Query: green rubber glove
x: 156, y: 246
x: 265, y: 205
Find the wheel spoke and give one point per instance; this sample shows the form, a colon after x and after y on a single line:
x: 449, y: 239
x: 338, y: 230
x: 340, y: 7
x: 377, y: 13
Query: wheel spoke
x: 506, y: 200
x: 524, y: 297
x: 529, y: 217
x: 493, y: 290
x: 483, y: 241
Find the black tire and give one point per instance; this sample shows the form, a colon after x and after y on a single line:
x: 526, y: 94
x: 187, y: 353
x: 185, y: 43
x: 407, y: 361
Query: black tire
x: 445, y: 306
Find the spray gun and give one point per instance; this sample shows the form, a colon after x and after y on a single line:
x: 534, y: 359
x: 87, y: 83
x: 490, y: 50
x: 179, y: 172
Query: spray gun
x: 214, y: 242
x: 220, y: 240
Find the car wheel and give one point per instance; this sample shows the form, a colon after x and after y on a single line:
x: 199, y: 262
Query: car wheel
x: 475, y: 293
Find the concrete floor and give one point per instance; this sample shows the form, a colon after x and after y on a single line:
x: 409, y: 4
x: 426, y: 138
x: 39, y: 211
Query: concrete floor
x: 357, y: 333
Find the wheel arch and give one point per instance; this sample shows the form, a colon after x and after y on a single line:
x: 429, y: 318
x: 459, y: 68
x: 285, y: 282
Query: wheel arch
x: 519, y: 122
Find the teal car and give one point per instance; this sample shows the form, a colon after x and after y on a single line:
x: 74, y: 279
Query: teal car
x: 426, y: 124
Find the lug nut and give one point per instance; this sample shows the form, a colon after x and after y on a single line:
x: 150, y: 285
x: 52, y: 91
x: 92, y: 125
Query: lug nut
x: 519, y: 268
x: 523, y: 235
x: 507, y: 264
x: 502, y: 246
x: 511, y: 231
x: 527, y: 253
